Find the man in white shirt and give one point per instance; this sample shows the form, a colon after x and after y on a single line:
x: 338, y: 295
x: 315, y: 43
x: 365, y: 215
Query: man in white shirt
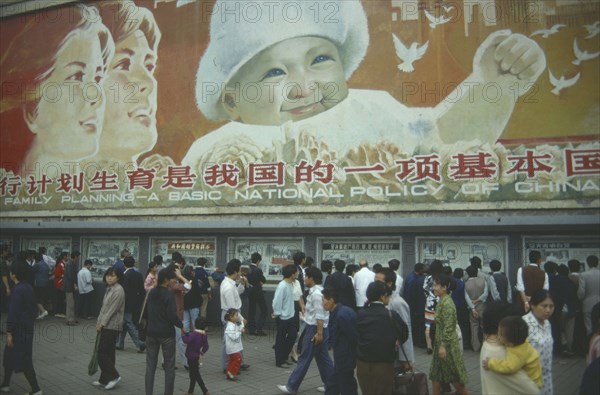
x: 362, y: 279
x: 529, y: 278
x: 316, y: 336
x: 230, y: 292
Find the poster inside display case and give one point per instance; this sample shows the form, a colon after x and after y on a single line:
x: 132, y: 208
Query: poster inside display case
x: 54, y: 245
x: 456, y: 252
x: 352, y: 251
x: 104, y: 252
x: 275, y: 253
x: 190, y: 248
x: 561, y: 249
x: 7, y: 241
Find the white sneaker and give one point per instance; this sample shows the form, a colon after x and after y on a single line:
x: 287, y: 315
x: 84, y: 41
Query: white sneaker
x: 112, y: 384
x: 285, y: 390
x: 97, y: 384
x: 6, y: 388
x: 321, y: 389
x: 41, y: 316
x: 59, y: 315
x: 36, y: 393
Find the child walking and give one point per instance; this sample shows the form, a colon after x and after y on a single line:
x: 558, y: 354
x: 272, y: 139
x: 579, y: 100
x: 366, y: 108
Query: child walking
x: 520, y: 354
x: 197, y: 346
x: 233, y: 343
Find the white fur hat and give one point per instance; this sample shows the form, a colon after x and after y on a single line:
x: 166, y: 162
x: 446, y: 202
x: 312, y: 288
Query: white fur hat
x: 241, y: 29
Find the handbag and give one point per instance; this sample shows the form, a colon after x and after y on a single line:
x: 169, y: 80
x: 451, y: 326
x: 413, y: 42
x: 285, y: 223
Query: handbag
x: 410, y: 382
x: 93, y: 365
x: 143, y: 321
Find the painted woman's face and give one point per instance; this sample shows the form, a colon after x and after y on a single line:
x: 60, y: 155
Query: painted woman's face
x: 291, y: 80
x: 70, y: 112
x: 131, y: 95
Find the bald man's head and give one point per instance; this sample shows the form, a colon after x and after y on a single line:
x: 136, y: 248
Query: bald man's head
x: 363, y: 263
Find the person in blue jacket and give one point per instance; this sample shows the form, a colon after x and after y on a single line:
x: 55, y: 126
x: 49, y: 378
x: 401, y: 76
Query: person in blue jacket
x: 343, y: 339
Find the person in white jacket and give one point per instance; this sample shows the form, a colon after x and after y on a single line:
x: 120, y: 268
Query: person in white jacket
x: 233, y: 343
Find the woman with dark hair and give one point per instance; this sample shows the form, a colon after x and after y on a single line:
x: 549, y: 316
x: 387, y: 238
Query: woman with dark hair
x: 54, y: 117
x: 447, y: 365
x: 22, y: 311
x: 540, y: 333
x: 495, y: 383
x: 150, y: 281
x: 109, y: 324
x: 191, y: 301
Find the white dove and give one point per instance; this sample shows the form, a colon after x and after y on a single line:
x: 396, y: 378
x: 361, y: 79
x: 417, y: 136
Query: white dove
x: 448, y: 8
x: 561, y: 83
x: 547, y: 32
x: 434, y: 21
x: 593, y: 30
x: 582, y: 55
x: 408, y: 55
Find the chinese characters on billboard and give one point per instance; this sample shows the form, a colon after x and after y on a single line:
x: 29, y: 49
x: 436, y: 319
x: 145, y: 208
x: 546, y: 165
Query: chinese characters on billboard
x: 230, y: 106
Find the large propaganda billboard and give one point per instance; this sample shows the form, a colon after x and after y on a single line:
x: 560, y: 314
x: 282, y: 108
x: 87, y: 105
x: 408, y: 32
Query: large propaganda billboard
x: 301, y: 106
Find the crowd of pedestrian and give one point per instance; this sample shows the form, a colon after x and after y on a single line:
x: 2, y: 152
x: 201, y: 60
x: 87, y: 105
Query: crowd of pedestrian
x: 359, y: 324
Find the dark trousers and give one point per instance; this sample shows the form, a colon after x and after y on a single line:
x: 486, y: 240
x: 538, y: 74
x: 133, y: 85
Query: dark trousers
x: 285, y: 339
x: 86, y: 305
x: 59, y: 302
x: 462, y: 316
x: 29, y: 375
x: 256, y: 324
x: 342, y: 382
x: 195, y: 376
x: 154, y: 344
x: 106, y: 356
x: 418, y: 328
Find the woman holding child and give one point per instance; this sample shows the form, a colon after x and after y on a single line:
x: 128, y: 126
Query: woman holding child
x: 540, y: 334
x: 493, y: 383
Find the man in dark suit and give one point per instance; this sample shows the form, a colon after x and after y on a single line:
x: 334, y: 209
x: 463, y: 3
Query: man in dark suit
x: 343, y: 339
x: 342, y: 284
x: 133, y: 284
x: 256, y: 297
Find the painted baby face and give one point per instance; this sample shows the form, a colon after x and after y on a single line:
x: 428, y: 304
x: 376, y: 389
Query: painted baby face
x: 291, y: 80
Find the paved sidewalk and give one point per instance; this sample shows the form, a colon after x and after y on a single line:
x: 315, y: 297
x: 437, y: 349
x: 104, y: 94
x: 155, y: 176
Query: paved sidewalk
x: 62, y: 354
